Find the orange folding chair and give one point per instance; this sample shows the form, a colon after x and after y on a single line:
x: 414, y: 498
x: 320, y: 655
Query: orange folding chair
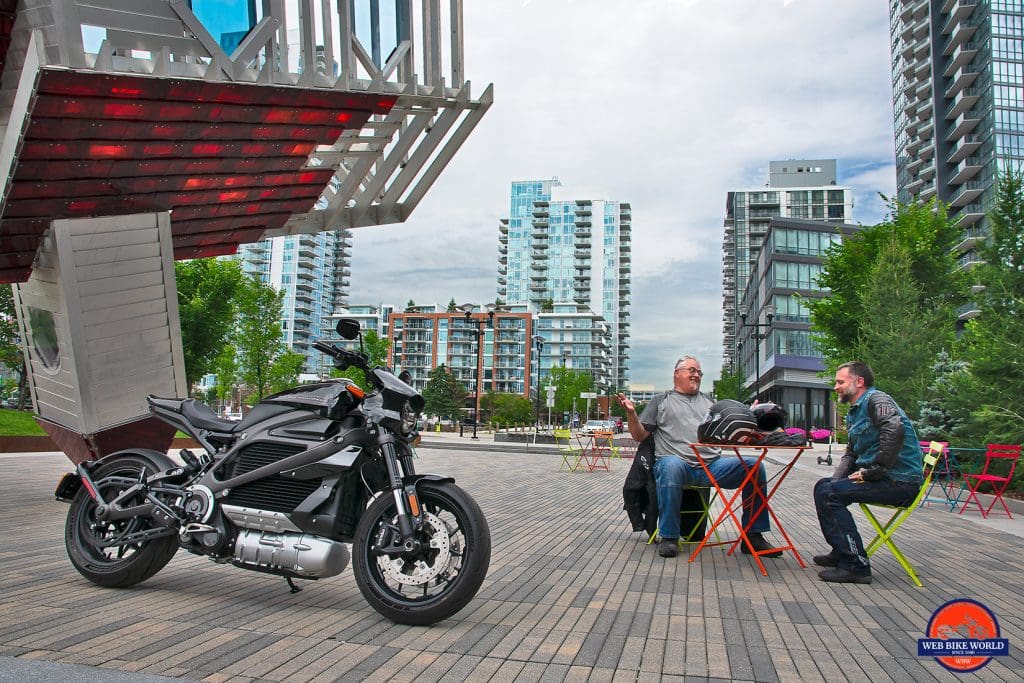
x: 996, y: 457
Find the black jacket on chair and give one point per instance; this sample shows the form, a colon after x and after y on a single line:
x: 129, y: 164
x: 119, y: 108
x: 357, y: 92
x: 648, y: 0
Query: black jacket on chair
x: 640, y: 497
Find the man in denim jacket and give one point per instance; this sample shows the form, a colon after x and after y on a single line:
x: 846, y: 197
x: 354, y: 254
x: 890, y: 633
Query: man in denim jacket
x: 882, y: 465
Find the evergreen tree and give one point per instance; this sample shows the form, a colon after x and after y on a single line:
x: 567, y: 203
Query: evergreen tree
x: 897, y: 338
x: 443, y: 395
x: 993, y: 342
x: 942, y: 417
x: 927, y: 237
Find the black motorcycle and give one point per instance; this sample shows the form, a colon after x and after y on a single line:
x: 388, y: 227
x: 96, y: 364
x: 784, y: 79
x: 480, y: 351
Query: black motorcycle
x: 283, y: 490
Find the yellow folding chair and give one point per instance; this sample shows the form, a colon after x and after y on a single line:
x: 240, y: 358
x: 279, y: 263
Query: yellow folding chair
x: 707, y: 499
x: 885, y: 531
x: 568, y: 449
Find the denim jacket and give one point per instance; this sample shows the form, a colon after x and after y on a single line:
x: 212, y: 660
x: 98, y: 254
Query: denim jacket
x: 882, y: 442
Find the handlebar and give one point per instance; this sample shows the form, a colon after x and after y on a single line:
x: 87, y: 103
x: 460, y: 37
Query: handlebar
x: 343, y: 358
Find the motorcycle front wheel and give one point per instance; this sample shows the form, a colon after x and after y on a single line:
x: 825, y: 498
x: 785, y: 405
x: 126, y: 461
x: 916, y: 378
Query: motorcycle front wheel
x: 433, y: 583
x: 92, y: 544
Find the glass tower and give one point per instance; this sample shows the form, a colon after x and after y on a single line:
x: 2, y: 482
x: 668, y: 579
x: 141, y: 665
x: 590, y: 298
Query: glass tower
x: 802, y: 189
x: 558, y: 250
x: 958, y: 105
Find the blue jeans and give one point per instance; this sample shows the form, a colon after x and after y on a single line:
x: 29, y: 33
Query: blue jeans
x: 672, y: 474
x: 832, y: 498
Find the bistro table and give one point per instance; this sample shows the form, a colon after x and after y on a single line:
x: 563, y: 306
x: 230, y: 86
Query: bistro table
x: 597, y: 450
x: 732, y: 504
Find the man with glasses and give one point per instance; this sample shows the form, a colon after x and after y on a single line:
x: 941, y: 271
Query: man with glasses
x: 673, y: 418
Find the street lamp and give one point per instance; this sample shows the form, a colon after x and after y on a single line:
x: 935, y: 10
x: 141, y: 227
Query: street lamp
x: 538, y: 342
x: 478, y: 333
x: 757, y: 336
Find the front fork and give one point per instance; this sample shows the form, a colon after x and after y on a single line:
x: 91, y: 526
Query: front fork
x: 410, y: 515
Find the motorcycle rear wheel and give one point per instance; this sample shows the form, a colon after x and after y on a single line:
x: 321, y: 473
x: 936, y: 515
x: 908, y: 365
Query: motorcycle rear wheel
x: 432, y: 584
x: 116, y: 566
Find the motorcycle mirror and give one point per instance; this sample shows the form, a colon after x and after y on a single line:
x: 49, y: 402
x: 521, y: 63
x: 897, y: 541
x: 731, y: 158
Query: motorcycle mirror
x: 347, y: 328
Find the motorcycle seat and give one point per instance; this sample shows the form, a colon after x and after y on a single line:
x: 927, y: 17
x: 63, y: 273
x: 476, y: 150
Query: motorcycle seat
x: 198, y: 414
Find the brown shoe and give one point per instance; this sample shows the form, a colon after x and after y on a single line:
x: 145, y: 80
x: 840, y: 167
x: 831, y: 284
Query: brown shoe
x: 761, y: 546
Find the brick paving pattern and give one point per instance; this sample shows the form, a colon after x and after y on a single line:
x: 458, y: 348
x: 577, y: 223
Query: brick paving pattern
x: 572, y: 594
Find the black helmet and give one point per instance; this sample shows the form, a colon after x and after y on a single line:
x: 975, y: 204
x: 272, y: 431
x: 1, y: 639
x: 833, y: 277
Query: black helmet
x: 728, y: 422
x: 769, y: 416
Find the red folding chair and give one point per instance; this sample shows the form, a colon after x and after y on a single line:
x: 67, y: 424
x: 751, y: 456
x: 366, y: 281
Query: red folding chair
x: 996, y: 453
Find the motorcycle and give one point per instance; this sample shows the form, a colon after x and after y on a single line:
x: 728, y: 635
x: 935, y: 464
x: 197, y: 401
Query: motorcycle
x: 282, y: 491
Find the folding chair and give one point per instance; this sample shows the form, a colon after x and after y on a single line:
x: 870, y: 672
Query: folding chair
x: 627, y: 448
x: 567, y: 449
x: 884, y: 531
x: 697, y: 523
x: 941, y: 477
x: 598, y: 455
x: 993, y: 455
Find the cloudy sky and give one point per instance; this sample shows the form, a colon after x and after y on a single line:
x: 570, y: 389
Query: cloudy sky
x: 665, y: 104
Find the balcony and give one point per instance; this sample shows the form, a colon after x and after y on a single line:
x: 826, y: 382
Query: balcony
x: 922, y: 48
x: 927, y: 191
x: 961, y: 33
x: 969, y: 215
x: 965, y: 170
x: 915, y: 164
x: 967, y: 193
x: 971, y: 238
x: 924, y: 91
x: 924, y: 113
x: 910, y: 106
x: 927, y: 131
x: 967, y: 145
x: 963, y: 77
x: 964, y: 124
x: 914, y: 185
x: 963, y: 54
x: 963, y: 101
x: 958, y: 11
x: 913, y: 144
x: 920, y: 29
x: 927, y: 172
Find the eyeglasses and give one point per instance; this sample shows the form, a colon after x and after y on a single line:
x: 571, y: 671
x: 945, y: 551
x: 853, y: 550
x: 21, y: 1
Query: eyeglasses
x: 692, y: 372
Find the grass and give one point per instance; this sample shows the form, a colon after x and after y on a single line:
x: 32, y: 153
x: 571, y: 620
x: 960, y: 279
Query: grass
x: 19, y: 423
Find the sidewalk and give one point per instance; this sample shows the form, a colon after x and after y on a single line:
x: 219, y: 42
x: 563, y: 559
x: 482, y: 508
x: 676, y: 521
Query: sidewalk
x: 572, y: 594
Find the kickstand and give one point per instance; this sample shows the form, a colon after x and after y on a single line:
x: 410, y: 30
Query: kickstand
x: 291, y: 584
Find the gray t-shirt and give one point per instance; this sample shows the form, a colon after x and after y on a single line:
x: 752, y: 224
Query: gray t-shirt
x: 674, y: 417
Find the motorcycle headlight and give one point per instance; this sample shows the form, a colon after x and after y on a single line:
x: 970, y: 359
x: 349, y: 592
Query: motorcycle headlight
x: 408, y: 415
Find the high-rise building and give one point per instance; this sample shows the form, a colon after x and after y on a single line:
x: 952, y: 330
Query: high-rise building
x: 957, y: 76
x: 555, y: 249
x: 775, y: 354
x: 803, y: 188
x: 312, y: 271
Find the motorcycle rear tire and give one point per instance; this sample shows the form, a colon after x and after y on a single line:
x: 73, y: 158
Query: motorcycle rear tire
x: 131, y: 563
x: 450, y: 504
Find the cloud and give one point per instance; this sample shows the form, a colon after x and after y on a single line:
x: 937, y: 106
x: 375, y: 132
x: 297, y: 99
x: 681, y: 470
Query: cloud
x: 667, y: 105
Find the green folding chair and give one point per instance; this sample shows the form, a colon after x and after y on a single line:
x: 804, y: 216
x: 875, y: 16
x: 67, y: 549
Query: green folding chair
x: 707, y: 499
x: 885, y: 531
x: 568, y: 450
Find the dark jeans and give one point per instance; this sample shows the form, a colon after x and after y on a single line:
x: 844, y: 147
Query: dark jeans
x: 832, y: 498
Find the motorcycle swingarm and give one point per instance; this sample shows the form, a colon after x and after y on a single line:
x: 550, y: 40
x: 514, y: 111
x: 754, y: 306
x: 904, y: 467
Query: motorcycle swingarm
x: 135, y: 537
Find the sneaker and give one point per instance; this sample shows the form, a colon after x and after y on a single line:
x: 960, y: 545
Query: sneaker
x: 761, y: 546
x: 829, y: 560
x: 840, y: 575
x: 669, y: 547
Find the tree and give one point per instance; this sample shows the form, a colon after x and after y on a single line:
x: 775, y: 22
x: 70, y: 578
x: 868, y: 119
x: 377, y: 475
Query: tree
x: 993, y: 342
x: 507, y: 409
x: 443, y: 395
x: 225, y: 369
x: 452, y: 306
x: 376, y: 349
x: 207, y: 289
x: 285, y: 370
x: 898, y: 338
x: 569, y: 384
x: 11, y: 354
x: 409, y: 306
x: 547, y: 306
x: 928, y: 237
x: 729, y: 385
x: 258, y: 336
x: 942, y: 416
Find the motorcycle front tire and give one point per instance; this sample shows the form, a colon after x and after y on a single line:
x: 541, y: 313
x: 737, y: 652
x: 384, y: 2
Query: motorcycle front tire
x: 470, y: 547
x: 114, y: 566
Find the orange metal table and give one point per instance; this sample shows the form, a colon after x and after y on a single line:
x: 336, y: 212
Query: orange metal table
x: 732, y: 504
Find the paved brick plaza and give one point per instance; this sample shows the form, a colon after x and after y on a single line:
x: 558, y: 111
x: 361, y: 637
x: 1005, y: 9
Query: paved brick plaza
x: 572, y: 594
